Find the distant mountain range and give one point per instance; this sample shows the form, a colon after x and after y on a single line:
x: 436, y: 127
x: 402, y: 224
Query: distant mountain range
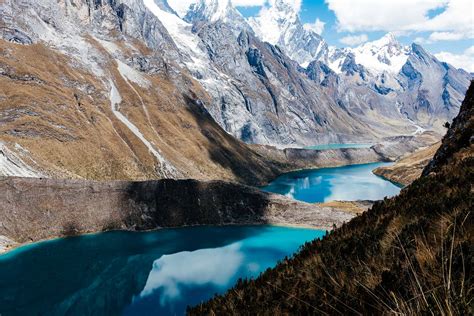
x: 133, y: 89
x: 405, y: 88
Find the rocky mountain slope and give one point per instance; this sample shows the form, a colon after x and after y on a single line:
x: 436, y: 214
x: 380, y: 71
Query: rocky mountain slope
x: 129, y: 90
x: 410, y: 254
x: 94, y: 90
x: 389, y: 89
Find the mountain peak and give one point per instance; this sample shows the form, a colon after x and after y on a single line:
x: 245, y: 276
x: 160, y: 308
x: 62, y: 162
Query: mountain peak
x: 384, y: 54
x: 279, y: 24
x: 389, y: 38
x: 216, y: 10
x: 388, y: 41
x: 272, y: 22
x: 284, y: 6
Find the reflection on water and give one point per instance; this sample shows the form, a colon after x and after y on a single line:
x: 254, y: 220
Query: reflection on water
x: 348, y: 183
x: 214, y: 267
x: 153, y: 273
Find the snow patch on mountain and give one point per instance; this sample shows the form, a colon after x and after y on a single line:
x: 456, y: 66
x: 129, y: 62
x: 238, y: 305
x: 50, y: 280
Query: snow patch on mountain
x: 182, y: 35
x: 279, y: 24
x: 272, y: 24
x: 335, y: 58
x: 11, y: 164
x: 115, y: 99
x: 132, y: 75
x: 181, y: 7
x: 385, y: 54
x: 214, y: 10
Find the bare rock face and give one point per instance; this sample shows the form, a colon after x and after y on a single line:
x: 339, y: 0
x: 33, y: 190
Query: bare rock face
x: 381, y: 88
x: 94, y: 89
x: 35, y: 209
x: 275, y: 102
x: 126, y: 89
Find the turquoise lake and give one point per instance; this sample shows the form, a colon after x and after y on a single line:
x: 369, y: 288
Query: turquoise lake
x: 129, y: 273
x: 338, y: 146
x: 348, y: 183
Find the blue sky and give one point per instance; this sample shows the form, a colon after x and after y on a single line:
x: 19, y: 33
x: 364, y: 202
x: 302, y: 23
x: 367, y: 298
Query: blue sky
x: 443, y: 27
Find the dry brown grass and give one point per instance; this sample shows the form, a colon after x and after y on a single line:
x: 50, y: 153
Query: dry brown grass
x: 408, y: 168
x: 72, y: 133
x: 348, y: 206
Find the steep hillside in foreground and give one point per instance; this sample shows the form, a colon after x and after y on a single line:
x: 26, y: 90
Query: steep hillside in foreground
x: 411, y: 254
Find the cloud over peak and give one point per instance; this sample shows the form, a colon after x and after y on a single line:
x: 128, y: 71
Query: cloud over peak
x: 353, y: 40
x: 404, y: 15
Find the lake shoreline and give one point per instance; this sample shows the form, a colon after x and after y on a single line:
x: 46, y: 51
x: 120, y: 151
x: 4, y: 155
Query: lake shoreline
x: 78, y: 274
x: 15, y: 246
x: 346, y: 183
x: 34, y: 209
x: 140, y: 191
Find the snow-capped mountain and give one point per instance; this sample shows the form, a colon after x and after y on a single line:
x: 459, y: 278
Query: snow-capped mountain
x: 266, y: 80
x: 383, y: 55
x: 215, y: 10
x: 424, y: 89
x: 279, y: 24
x: 373, y: 71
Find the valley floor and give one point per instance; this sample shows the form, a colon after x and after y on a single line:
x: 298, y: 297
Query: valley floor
x: 40, y: 208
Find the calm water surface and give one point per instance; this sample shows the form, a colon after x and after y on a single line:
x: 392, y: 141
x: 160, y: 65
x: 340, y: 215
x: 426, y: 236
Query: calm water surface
x: 348, y: 183
x: 152, y: 273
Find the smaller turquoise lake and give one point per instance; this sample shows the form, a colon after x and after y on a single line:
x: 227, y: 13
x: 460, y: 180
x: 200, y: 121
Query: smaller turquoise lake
x: 150, y: 273
x: 338, y: 146
x: 347, y: 183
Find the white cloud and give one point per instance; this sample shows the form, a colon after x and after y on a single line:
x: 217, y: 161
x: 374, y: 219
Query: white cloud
x: 421, y: 40
x: 448, y: 36
x: 353, y: 40
x: 464, y: 60
x: 317, y: 26
x: 404, y: 15
x: 443, y: 36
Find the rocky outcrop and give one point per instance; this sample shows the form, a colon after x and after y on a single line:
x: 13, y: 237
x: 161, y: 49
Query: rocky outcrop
x: 409, y: 167
x: 458, y: 142
x: 35, y: 209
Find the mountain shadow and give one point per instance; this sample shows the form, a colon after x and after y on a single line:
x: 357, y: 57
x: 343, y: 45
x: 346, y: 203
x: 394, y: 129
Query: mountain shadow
x: 176, y: 203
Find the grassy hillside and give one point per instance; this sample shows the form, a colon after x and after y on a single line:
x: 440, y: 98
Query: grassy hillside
x: 411, y: 254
